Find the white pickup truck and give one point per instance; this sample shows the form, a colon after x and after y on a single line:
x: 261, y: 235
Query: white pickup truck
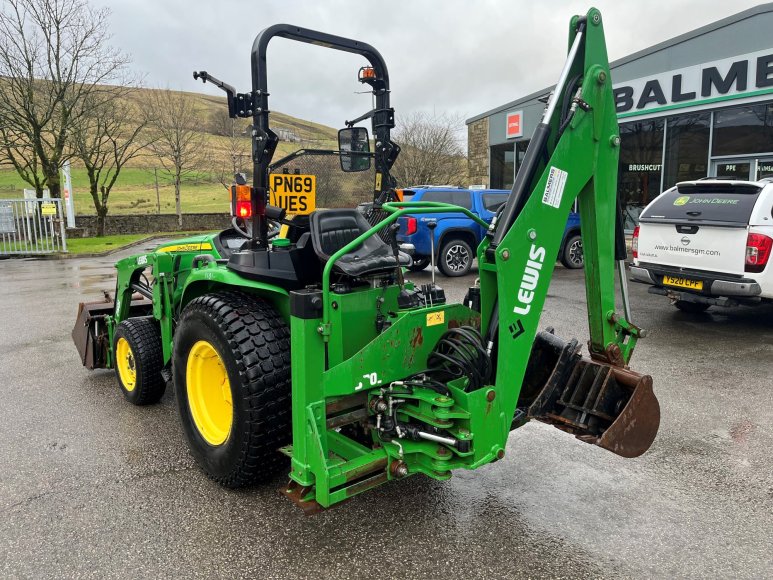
x: 707, y: 242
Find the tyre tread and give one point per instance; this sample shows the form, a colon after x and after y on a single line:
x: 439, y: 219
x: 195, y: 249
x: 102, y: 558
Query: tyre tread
x: 144, y: 337
x: 259, y: 340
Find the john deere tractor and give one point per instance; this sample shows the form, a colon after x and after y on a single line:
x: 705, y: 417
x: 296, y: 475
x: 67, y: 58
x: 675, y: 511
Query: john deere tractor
x: 313, y: 346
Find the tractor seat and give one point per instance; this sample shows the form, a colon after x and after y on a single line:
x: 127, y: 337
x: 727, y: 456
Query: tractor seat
x: 332, y: 229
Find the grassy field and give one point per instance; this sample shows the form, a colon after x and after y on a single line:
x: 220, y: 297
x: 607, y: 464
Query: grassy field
x: 94, y: 245
x: 135, y: 193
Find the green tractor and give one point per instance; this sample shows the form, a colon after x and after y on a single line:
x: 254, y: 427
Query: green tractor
x: 313, y: 346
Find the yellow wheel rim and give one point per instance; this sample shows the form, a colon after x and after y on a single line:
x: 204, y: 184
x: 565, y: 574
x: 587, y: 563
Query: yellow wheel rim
x: 124, y: 360
x: 209, y: 393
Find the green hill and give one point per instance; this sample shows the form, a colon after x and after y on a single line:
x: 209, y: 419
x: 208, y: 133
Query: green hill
x: 202, y: 191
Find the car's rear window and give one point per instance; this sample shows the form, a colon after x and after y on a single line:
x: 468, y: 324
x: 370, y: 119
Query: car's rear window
x: 460, y: 197
x: 720, y: 203
x: 492, y: 201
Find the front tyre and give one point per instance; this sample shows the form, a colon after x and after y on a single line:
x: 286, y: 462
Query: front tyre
x: 138, y: 360
x: 456, y: 258
x: 231, y: 367
x: 571, y: 256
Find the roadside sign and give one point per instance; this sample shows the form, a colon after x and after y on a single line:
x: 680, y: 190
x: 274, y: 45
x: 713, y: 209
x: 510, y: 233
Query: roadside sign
x: 296, y: 193
x: 48, y: 208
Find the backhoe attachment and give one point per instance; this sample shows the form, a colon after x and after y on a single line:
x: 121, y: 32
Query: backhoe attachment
x: 602, y: 404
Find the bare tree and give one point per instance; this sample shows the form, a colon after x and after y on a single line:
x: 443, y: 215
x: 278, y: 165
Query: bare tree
x: 221, y: 124
x: 432, y: 152
x: 104, y: 140
x: 53, y: 54
x: 177, y: 141
x: 236, y: 156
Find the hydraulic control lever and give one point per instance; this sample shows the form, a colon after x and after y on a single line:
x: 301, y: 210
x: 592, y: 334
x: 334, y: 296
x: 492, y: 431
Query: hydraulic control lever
x: 431, y: 227
x: 396, y: 252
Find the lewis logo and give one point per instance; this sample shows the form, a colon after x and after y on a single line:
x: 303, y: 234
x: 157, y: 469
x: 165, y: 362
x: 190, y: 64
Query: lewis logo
x: 530, y: 279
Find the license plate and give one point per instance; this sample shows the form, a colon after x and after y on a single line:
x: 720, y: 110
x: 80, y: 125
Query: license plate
x: 683, y: 283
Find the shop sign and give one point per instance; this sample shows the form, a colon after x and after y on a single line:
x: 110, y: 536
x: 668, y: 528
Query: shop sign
x: 737, y: 77
x: 514, y: 125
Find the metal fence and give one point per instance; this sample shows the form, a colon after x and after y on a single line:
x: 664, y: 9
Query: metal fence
x: 31, y: 226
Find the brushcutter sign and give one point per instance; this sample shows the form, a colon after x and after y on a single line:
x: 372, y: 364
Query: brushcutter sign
x: 295, y: 193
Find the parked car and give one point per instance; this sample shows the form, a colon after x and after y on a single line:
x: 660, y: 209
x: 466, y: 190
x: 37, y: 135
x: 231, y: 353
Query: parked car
x: 707, y: 242
x: 457, y: 236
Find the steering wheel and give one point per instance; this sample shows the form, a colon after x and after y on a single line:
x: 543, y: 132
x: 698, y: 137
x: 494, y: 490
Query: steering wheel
x: 274, y: 227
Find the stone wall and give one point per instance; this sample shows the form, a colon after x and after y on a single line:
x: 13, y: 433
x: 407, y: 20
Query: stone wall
x: 477, y: 152
x: 149, y: 224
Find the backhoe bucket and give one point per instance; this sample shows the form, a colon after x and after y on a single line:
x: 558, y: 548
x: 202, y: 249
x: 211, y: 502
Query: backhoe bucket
x: 606, y: 405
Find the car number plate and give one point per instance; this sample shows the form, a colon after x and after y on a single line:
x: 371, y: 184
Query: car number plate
x: 683, y: 283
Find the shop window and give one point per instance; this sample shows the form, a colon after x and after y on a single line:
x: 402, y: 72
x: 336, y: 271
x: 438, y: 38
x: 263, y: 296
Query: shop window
x: 641, y: 154
x: 687, y: 148
x: 743, y: 130
x: 502, y: 166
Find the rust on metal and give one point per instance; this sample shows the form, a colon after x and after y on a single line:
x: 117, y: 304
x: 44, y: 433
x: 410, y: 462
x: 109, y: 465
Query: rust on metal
x: 368, y: 483
x: 417, y: 337
x: 603, y: 404
x: 346, y: 402
x: 398, y: 469
x: 302, y: 497
x: 347, y: 418
x: 361, y: 471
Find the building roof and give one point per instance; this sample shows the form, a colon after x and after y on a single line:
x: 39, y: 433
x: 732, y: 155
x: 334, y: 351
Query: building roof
x: 761, y: 9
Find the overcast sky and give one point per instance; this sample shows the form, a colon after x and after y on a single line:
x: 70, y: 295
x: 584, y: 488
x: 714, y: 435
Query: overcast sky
x: 456, y: 56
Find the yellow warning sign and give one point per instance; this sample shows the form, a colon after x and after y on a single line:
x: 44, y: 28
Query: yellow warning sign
x: 48, y: 208
x: 296, y: 193
x: 435, y: 318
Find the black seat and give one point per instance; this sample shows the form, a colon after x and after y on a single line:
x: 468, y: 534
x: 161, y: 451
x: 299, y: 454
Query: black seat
x: 332, y: 229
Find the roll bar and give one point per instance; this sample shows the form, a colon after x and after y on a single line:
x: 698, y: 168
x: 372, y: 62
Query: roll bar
x: 264, y: 140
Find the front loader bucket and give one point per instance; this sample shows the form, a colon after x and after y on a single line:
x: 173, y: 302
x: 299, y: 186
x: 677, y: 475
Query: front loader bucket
x: 90, y: 333
x: 606, y: 405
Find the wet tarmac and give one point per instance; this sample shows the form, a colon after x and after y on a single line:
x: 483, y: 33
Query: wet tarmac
x: 93, y: 487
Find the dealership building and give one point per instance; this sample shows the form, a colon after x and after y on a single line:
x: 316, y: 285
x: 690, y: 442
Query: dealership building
x: 698, y: 105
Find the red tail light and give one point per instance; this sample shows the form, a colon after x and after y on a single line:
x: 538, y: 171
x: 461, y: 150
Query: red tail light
x: 758, y: 250
x: 243, y: 209
x: 411, y: 225
x: 635, y: 242
x: 241, y: 204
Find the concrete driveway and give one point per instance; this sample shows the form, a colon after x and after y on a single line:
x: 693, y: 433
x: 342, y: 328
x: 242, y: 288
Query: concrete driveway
x: 93, y: 487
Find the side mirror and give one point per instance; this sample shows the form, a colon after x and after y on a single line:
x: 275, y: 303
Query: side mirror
x: 354, y: 148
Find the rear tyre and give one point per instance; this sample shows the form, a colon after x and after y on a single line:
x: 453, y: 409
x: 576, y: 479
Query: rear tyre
x: 691, y: 307
x: 232, y: 382
x: 138, y: 360
x: 456, y: 258
x: 418, y: 264
x: 571, y: 256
